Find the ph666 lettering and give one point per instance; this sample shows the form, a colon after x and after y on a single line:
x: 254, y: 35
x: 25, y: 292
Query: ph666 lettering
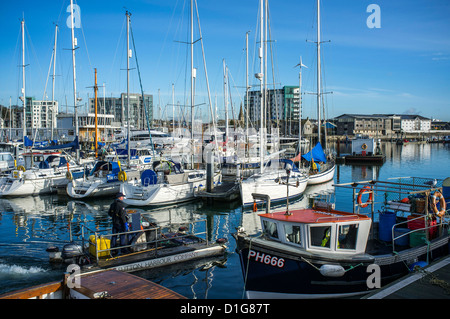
x: 266, y: 259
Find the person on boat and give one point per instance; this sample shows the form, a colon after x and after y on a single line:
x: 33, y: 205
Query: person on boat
x: 119, y: 219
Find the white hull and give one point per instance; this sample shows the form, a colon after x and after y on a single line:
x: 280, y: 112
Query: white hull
x: 39, y: 182
x: 267, y: 184
x: 96, y: 188
x: 322, y: 177
x: 162, y: 194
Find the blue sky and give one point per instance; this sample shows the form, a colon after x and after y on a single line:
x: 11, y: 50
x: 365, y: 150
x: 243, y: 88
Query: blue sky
x: 402, y: 67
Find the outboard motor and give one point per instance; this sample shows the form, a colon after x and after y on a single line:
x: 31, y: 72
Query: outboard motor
x: 71, y: 253
x: 54, y: 254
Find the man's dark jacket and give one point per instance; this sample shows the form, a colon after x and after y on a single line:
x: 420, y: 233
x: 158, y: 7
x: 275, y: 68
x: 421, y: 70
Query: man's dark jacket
x: 118, y: 213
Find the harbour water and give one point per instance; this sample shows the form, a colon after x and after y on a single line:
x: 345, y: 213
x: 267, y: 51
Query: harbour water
x: 29, y: 225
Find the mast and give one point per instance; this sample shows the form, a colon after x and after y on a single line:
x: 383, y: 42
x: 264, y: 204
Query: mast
x: 225, y: 96
x: 23, y: 81
x: 246, y: 93
x: 300, y: 108
x: 74, y: 77
x: 264, y: 43
x: 173, y: 110
x: 300, y: 104
x: 128, y: 88
x: 192, y: 83
x: 318, y: 73
x: 53, y: 81
x: 260, y: 77
x: 95, y: 110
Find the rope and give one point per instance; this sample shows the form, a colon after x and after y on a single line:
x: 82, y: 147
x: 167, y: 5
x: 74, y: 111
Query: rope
x: 248, y: 263
x: 433, y: 279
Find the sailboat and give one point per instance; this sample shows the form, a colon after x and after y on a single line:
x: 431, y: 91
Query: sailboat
x: 167, y: 182
x: 322, y: 167
x: 282, y: 184
x: 105, y: 178
x: 42, y: 171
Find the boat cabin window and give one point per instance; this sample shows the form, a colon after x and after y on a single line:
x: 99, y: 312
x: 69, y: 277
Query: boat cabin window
x: 320, y: 236
x: 293, y: 234
x: 6, y: 157
x: 270, y: 229
x: 347, y: 236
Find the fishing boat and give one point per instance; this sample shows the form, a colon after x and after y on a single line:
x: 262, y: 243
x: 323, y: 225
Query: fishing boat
x: 167, y: 183
x: 327, y: 253
x: 149, y: 246
x: 50, y: 171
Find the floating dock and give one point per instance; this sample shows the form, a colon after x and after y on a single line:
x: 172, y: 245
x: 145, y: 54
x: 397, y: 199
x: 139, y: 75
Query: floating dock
x: 227, y: 191
x: 432, y: 282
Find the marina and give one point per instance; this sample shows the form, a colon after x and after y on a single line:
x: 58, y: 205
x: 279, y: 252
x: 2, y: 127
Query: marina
x: 30, y: 225
x: 209, y: 189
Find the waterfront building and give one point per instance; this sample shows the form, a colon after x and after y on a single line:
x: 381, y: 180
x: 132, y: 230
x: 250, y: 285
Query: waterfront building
x: 282, y: 108
x: 39, y: 113
x: 117, y: 106
x: 381, y: 124
x: 367, y: 124
x: 106, y: 125
x: 415, y: 123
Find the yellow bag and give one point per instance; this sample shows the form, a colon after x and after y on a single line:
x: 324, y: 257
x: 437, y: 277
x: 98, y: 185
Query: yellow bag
x: 102, y: 244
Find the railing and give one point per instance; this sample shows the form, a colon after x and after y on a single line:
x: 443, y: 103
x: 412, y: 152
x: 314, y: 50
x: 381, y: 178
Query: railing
x: 159, y: 237
x: 441, y: 224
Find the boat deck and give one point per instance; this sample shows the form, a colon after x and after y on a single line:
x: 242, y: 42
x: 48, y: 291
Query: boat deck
x: 120, y: 285
x: 109, y: 284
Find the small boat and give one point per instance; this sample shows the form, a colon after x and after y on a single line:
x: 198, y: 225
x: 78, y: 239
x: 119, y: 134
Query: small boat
x: 326, y: 253
x: 53, y: 170
x: 149, y: 246
x: 275, y: 184
x: 167, y: 183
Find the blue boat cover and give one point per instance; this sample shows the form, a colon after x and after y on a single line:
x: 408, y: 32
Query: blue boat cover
x: 44, y: 145
x: 317, y: 154
x: 149, y: 177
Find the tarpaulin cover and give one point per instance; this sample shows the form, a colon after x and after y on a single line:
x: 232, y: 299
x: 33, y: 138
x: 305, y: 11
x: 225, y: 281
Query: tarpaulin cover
x: 317, y: 154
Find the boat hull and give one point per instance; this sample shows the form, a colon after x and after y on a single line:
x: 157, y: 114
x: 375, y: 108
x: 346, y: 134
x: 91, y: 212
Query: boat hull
x: 323, y: 177
x: 89, y: 190
x: 162, y: 194
x: 35, y: 186
x: 268, y: 185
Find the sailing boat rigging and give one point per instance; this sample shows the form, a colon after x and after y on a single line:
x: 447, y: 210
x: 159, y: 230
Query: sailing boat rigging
x: 167, y: 183
x: 322, y: 167
x: 288, y: 176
